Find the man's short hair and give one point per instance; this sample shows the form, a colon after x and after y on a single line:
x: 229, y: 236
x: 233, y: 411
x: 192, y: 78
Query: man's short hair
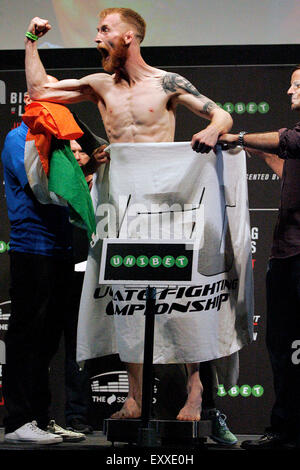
x: 128, y: 16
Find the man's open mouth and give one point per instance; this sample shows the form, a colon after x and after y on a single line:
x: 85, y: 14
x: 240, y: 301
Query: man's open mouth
x: 104, y: 52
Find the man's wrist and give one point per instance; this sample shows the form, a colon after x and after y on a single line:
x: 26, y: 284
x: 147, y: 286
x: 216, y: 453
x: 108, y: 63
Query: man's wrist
x: 240, y: 141
x: 32, y: 37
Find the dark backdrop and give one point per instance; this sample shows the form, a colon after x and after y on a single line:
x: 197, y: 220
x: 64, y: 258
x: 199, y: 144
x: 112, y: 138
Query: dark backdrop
x: 251, y: 83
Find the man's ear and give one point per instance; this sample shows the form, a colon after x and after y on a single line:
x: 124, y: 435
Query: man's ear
x: 27, y: 100
x: 128, y: 37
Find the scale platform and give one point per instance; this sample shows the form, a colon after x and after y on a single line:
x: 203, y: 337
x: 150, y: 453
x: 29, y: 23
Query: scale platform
x: 148, y: 432
x: 164, y: 431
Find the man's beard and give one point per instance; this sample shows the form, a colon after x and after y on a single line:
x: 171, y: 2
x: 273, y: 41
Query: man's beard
x: 114, y: 62
x: 295, y: 104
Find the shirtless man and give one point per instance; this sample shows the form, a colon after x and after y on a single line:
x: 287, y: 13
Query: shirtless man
x: 137, y: 103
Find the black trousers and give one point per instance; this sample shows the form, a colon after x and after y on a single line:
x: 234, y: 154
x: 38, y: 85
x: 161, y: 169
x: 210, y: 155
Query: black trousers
x: 283, y: 329
x: 76, y: 379
x: 40, y: 295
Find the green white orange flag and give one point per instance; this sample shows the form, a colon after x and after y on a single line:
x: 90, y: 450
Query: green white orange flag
x: 52, y: 170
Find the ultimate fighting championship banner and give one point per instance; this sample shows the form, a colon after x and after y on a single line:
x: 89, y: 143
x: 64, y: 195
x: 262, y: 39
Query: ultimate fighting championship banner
x: 256, y: 98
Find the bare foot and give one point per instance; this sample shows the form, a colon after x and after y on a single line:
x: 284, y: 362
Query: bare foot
x: 192, y: 408
x: 129, y: 410
x: 190, y: 412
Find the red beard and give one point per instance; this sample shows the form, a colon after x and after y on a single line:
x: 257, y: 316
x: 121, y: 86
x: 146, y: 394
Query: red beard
x: 115, y: 60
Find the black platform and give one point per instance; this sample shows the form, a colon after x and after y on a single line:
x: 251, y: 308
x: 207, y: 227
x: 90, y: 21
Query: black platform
x: 182, y: 433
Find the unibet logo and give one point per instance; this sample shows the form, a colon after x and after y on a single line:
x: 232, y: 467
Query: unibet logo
x: 245, y: 391
x: 3, y: 247
x: 181, y: 261
x: 142, y: 261
x: 257, y: 391
x: 116, y: 261
x: 154, y: 261
x: 129, y: 261
x: 250, y: 108
x: 168, y: 261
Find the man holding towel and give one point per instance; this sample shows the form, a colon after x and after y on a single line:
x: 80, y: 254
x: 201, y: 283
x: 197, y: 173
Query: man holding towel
x: 138, y: 104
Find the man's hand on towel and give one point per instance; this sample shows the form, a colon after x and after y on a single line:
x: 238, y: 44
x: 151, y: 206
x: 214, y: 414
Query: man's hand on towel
x: 100, y: 156
x: 205, y: 140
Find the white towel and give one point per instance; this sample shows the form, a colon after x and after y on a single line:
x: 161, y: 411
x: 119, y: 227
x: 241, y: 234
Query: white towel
x: 210, y: 320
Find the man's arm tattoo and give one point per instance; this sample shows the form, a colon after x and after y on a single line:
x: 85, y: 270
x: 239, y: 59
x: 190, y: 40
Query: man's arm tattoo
x: 171, y: 82
x: 208, y: 106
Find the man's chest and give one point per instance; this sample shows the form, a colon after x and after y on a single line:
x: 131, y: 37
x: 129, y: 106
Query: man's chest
x: 139, y: 101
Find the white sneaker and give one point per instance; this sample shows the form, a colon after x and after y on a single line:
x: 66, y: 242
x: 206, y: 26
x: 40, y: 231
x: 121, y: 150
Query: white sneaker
x: 30, y: 433
x: 66, y: 434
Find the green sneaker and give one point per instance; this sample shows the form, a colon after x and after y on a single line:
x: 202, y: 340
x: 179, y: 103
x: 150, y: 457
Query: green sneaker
x: 220, y: 431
